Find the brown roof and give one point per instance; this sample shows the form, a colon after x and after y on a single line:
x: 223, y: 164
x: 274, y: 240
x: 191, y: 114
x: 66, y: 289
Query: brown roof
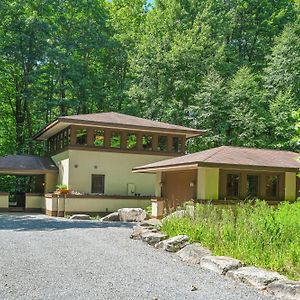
x: 117, y: 120
x: 231, y: 157
x: 26, y: 164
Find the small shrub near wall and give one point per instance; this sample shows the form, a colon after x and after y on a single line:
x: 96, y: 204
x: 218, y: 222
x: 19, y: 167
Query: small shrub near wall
x: 256, y: 233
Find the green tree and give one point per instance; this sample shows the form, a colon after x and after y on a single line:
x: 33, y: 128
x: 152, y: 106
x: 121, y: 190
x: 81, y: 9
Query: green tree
x: 248, y: 117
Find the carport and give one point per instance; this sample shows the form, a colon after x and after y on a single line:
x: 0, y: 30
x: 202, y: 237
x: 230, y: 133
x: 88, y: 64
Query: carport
x: 30, y: 177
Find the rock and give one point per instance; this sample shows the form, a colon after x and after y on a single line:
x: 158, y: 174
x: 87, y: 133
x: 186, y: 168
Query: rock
x: 193, y: 253
x: 151, y: 223
x: 256, y: 277
x: 173, y: 244
x: 80, y: 217
x: 111, y: 217
x: 194, y: 288
x: 137, y: 232
x: 175, y: 214
x: 220, y: 264
x: 286, y: 289
x: 132, y: 214
x: 153, y: 238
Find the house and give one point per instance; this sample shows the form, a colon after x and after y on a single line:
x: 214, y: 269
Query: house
x: 93, y: 155
x: 225, y: 175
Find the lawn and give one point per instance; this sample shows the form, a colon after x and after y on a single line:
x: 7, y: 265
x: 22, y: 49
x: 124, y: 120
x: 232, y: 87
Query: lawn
x: 256, y: 233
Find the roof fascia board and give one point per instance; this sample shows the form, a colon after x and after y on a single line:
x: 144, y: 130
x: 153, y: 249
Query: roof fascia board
x: 247, y: 167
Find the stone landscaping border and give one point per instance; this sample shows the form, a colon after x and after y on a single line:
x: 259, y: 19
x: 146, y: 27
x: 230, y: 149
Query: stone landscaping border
x: 261, y: 279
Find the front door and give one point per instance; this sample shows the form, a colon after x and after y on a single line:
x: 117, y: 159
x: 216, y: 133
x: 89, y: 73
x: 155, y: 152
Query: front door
x: 179, y: 187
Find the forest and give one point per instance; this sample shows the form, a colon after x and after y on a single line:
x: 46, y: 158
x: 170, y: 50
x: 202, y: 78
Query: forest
x: 231, y: 67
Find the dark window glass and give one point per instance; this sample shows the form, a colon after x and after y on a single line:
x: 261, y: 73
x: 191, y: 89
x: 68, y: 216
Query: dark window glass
x: 81, y: 136
x: 177, y: 144
x: 272, y: 186
x: 252, y: 185
x: 99, y: 138
x: 115, y: 140
x: 131, y: 142
x: 232, y: 188
x: 147, y: 142
x: 162, y: 143
x: 98, y: 184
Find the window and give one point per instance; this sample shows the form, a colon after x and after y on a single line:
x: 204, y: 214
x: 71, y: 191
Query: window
x: 177, y: 144
x: 162, y: 143
x: 131, y: 142
x: 99, y: 138
x: 115, y: 140
x: 252, y: 186
x: 232, y: 185
x: 98, y: 184
x: 147, y: 142
x: 81, y: 137
x: 272, y: 186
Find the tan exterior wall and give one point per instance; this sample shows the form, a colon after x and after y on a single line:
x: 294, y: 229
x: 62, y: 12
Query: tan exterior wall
x: 290, y: 186
x: 62, y: 161
x: 33, y: 201
x: 50, y: 182
x: 208, y: 183
x: 4, y: 200
x: 117, y: 168
x: 102, y: 205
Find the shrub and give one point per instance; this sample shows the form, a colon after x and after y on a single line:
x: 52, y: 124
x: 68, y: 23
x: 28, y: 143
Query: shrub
x: 254, y: 232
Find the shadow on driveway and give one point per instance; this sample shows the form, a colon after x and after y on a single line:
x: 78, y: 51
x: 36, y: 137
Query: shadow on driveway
x: 38, y: 222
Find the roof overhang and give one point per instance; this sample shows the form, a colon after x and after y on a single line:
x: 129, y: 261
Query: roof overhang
x: 195, y: 165
x: 60, y: 124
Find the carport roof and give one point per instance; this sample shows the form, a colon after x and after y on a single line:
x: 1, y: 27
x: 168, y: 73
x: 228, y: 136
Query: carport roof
x: 230, y: 157
x: 26, y: 165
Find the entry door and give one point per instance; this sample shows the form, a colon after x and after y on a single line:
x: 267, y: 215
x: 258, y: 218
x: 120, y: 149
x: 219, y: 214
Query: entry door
x: 179, y: 187
x: 98, y: 182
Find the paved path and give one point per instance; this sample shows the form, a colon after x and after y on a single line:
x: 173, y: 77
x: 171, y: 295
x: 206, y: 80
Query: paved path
x: 50, y: 258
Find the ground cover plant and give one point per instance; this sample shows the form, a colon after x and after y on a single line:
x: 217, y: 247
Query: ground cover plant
x: 256, y: 233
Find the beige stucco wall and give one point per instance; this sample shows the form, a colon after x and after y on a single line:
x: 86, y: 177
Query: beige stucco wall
x: 117, y: 168
x: 33, y: 201
x: 62, y: 161
x: 50, y: 182
x: 4, y: 201
x: 50, y: 204
x: 102, y: 205
x: 208, y: 183
x: 290, y: 186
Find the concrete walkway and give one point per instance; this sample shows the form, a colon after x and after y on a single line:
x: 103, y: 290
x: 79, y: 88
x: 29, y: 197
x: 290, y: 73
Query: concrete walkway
x: 51, y: 258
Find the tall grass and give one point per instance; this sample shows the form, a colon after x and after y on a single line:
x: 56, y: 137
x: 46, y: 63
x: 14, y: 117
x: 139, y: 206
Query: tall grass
x: 256, y: 233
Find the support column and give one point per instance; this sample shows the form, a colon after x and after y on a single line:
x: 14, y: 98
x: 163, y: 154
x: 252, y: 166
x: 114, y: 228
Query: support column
x: 208, y: 183
x: 290, y: 186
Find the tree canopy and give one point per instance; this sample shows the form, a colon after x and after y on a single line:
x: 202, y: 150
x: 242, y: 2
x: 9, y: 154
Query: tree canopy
x: 231, y: 67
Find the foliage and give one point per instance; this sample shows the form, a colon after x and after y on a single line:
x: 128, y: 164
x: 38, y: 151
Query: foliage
x: 256, y: 233
x: 230, y: 67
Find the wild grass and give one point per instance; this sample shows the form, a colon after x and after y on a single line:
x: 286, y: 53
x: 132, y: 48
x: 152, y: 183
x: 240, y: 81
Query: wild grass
x: 255, y: 233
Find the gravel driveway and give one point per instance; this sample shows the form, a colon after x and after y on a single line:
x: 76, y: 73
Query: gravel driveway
x: 51, y: 258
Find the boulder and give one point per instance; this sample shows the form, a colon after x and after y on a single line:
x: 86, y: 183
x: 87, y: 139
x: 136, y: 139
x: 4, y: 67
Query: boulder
x: 111, y: 217
x: 151, y: 223
x: 152, y: 238
x: 138, y: 231
x: 131, y: 214
x: 173, y: 244
x: 256, y: 277
x: 220, y: 264
x: 285, y: 289
x: 80, y: 217
x: 193, y: 253
x: 175, y: 214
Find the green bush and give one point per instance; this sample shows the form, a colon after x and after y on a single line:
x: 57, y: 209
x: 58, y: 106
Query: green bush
x: 256, y: 233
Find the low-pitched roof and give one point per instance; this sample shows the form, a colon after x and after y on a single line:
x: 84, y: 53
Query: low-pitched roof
x: 26, y: 164
x: 115, y: 120
x: 226, y: 156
